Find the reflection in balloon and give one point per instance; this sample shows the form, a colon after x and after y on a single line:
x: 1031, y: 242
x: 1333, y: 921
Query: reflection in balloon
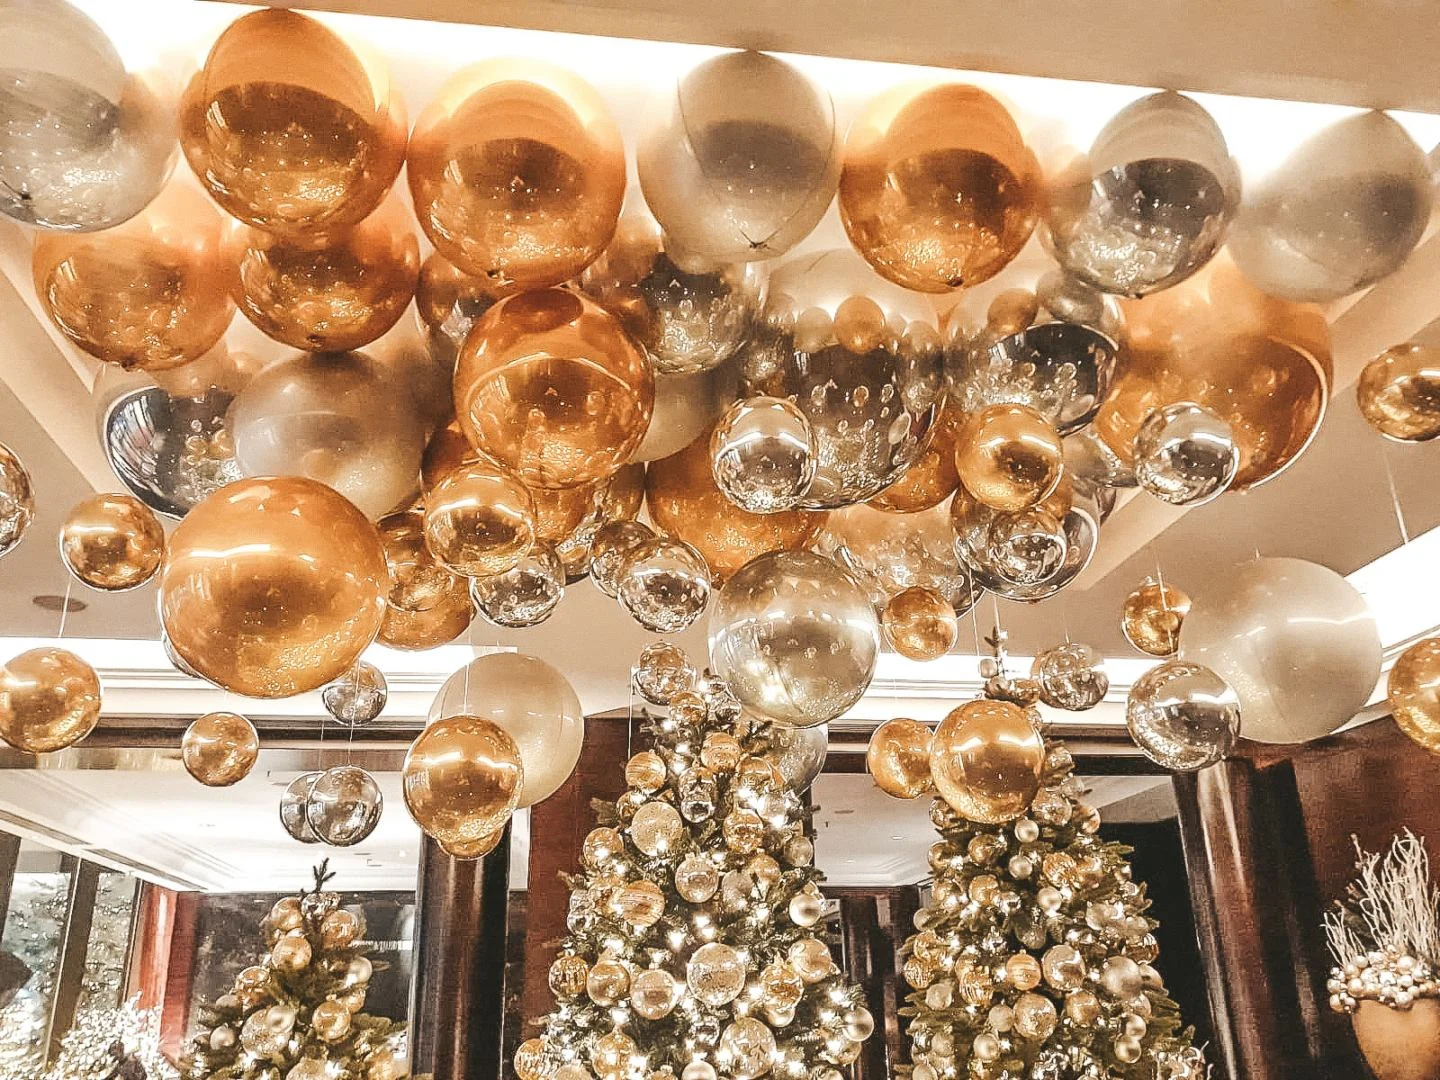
x: 1185, y: 454
x: 49, y: 699
x: 888, y: 554
x: 664, y: 584
x: 17, y: 500
x: 462, y: 780
x: 1032, y: 554
x: 525, y: 595
x: 1399, y: 393
x: 1071, y: 676
x: 1152, y: 617
x: 358, y: 696
x: 112, y: 542
x: 762, y: 455
x: 1008, y: 457
x: 479, y: 520
x: 220, y: 748
x: 931, y: 478
x: 898, y: 758
x: 1183, y: 715
x: 986, y: 758
x: 611, y: 549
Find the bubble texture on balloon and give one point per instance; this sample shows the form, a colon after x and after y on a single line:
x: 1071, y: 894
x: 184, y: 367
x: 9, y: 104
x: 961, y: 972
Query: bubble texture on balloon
x: 1150, y: 203
x: 358, y: 696
x: 1294, y: 639
x: 293, y: 802
x: 662, y: 672
x: 889, y: 553
x: 1185, y: 454
x: 762, y: 454
x: 462, y: 780
x: 17, y: 500
x: 292, y: 129
x: 931, y: 478
x: 795, y: 638
x: 525, y: 595
x: 344, y: 805
x: 939, y: 189
x: 517, y: 173
x: 1030, y: 555
x: 479, y: 520
x: 1153, y: 614
x: 862, y: 360
x: 664, y: 584
x: 1183, y: 715
x: 740, y: 162
x: 49, y: 699
x: 1413, y: 690
x: 986, y: 760
x: 1399, y: 393
x: 686, y: 407
x: 1071, y: 676
x: 112, y: 542
x: 799, y: 753
x: 610, y: 550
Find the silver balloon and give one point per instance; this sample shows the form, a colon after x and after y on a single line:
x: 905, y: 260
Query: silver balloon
x: 1071, y: 676
x: 799, y: 753
x: 1183, y: 715
x: 358, y: 696
x: 1150, y: 203
x: 662, y: 672
x: 526, y: 595
x: 17, y: 500
x: 762, y: 454
x: 293, y: 803
x: 795, y: 638
x: 1185, y: 454
x: 344, y: 805
x: 1026, y: 547
x: 1295, y: 640
x: 1089, y: 460
x: 889, y: 553
x: 861, y: 358
x: 1344, y: 210
x: 664, y: 585
x: 685, y: 406
x: 611, y: 546
x: 1016, y: 557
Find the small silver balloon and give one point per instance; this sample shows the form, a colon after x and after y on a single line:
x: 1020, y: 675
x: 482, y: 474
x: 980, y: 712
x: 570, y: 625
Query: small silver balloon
x: 293, y: 804
x: 1004, y: 556
x: 1183, y: 715
x: 762, y: 454
x: 664, y: 584
x: 1071, y: 676
x: 799, y: 753
x: 1185, y: 454
x: 344, y: 805
x: 1062, y: 370
x: 611, y: 546
x: 17, y: 500
x: 1026, y: 547
x: 358, y: 696
x: 662, y: 672
x: 526, y: 595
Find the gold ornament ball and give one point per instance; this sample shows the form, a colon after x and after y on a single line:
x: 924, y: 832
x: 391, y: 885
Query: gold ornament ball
x: 1082, y: 1008
x: 759, y: 772
x: 747, y: 1047
x: 573, y: 1071
x: 799, y: 851
x: 974, y: 982
x: 653, y: 993
x: 49, y: 699
x: 918, y: 973
x: 1152, y: 618
x: 254, y: 977
x: 698, y: 1070
x: 1009, y: 457
x: 646, y: 770
x: 1022, y: 971
x: 285, y: 914
x: 720, y: 751
x: 688, y: 708
x: 696, y: 878
x: 986, y: 1047
x: 859, y: 1024
x: 1034, y: 1016
x: 330, y: 1020
x: 1128, y: 1049
x: 112, y: 542
x: 219, y: 749
x: 779, y: 1018
x: 641, y: 903
x: 656, y: 828
x: 765, y: 870
x: 1064, y: 967
x: 353, y: 998
x: 1121, y: 978
x: 898, y: 758
x: 781, y: 986
x: 715, y: 974
x: 339, y: 929
x: 983, y: 888
x: 530, y: 1060
x: 1399, y: 393
x: 607, y: 982
x: 385, y: 1064
x: 292, y: 952
x: 610, y: 1056
x: 567, y: 976
x: 744, y: 831
x: 807, y: 906
x: 600, y: 846
x: 920, y: 623
x: 1060, y: 869
x: 986, y: 759
x: 811, y: 959
x: 1414, y: 692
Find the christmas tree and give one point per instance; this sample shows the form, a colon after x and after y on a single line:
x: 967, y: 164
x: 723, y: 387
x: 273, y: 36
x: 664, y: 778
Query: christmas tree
x: 1033, y: 959
x: 296, y: 1014
x: 697, y: 948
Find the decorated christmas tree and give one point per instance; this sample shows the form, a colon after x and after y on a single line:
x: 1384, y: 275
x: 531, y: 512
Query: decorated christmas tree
x: 697, y: 945
x: 296, y: 1015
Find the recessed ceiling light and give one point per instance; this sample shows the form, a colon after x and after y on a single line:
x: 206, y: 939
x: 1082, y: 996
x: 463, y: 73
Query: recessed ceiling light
x: 52, y: 602
x: 897, y: 838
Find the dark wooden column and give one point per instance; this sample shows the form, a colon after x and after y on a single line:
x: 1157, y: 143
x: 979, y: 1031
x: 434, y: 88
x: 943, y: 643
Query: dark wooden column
x: 74, y: 943
x: 898, y: 907
x: 9, y: 863
x: 153, y: 928
x: 868, y: 958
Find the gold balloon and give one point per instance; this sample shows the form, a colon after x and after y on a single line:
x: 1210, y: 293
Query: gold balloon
x: 339, y: 929
x: 898, y: 758
x: 684, y: 502
x: 112, y: 542
x: 939, y: 190
x: 986, y: 759
x: 447, y: 450
x: 462, y: 780
x: 417, y: 580
x: 149, y: 294
x: 290, y: 129
x: 1414, y: 690
x: 1152, y: 617
x: 479, y: 521
x: 560, y: 511
x: 427, y: 629
x: 220, y: 748
x: 920, y: 623
x: 1009, y: 457
x: 1399, y: 393
x: 518, y: 173
x: 550, y: 386
x: 932, y: 478
x: 333, y: 297
x: 1261, y: 364
x: 273, y: 586
x: 49, y: 699
x: 330, y: 1020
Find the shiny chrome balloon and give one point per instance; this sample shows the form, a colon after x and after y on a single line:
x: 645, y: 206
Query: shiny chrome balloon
x: 799, y: 753
x: 1071, y: 676
x: 344, y: 805
x: 526, y: 595
x: 1089, y: 459
x: 1185, y: 454
x: 358, y: 696
x: 1028, y: 570
x: 17, y: 500
x: 664, y: 584
x: 1183, y: 715
x: 762, y: 454
x: 293, y: 803
x: 171, y: 451
x: 1061, y: 370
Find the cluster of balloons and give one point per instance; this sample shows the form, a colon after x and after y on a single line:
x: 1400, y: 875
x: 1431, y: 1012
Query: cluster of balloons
x: 339, y: 806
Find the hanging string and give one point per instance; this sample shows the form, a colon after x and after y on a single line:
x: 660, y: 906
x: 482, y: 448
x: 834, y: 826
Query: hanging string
x: 1394, y: 496
x: 1065, y: 617
x: 64, y: 609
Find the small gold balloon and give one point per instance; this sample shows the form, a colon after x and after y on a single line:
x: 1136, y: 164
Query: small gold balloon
x: 898, y: 758
x: 219, y: 749
x: 920, y: 623
x: 417, y: 580
x: 446, y: 451
x: 330, y: 1020
x: 461, y: 780
x: 292, y: 952
x: 931, y: 478
x: 1152, y: 617
x: 339, y: 929
x: 567, y: 976
x: 49, y: 699
x: 112, y: 542
x: 1414, y: 690
x: 646, y: 771
x: 986, y: 758
x: 1009, y: 457
x: 1399, y: 393
x: 449, y: 300
x: 479, y: 521
x: 426, y: 629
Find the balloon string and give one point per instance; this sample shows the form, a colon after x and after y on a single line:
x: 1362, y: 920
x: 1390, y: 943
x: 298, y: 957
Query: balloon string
x: 1160, y: 578
x: 630, y: 717
x: 1394, y: 496
x: 65, y: 608
x: 1065, y: 618
x: 975, y: 628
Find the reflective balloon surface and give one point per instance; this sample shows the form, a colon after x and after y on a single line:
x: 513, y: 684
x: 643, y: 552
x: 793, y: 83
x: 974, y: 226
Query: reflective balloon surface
x: 17, y: 500
x: 293, y: 801
x: 462, y: 779
x: 686, y: 407
x: 664, y: 585
x: 1029, y: 555
x: 517, y: 173
x: 344, y: 805
x: 986, y: 759
x: 1183, y: 715
x: 888, y: 553
x: 1414, y: 693
x: 112, y: 542
x: 290, y: 128
x: 479, y: 520
x: 525, y: 595
x: 662, y: 672
x: 449, y: 301
x: 1071, y: 676
x: 49, y: 699
x: 931, y: 478
x: 1399, y: 393
x: 795, y: 638
x: 273, y: 586
x: 1294, y: 639
x: 417, y: 580
x: 799, y: 753
x: 920, y: 623
x: 741, y: 162
x: 220, y: 748
x: 434, y: 626
x: 611, y: 549
x: 1090, y: 462
x: 762, y: 455
x: 1008, y: 457
x: 898, y: 758
x: 1150, y: 203
x: 939, y: 189
x: 358, y: 696
x: 1152, y: 617
x: 1185, y: 454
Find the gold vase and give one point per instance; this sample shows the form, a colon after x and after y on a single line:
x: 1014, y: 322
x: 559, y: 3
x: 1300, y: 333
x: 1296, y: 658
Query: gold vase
x: 1400, y: 1044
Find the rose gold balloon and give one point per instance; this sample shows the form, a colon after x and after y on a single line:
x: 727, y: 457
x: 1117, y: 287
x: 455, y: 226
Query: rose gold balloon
x: 330, y: 298
x: 417, y: 580
x: 49, y: 699
x: 1009, y: 457
x: 273, y: 586
x: 479, y: 521
x: 986, y: 758
x: 112, y: 542
x: 932, y: 478
x: 552, y: 388
x: 560, y: 511
x: 430, y: 628
x: 1261, y: 364
x: 220, y: 749
x: 898, y: 758
x: 462, y: 781
x: 939, y: 189
x: 518, y: 173
x: 1414, y: 690
x: 447, y: 450
x: 920, y: 623
x: 684, y: 502
x: 1399, y: 393
x: 1152, y: 618
x: 290, y: 128
x: 148, y: 294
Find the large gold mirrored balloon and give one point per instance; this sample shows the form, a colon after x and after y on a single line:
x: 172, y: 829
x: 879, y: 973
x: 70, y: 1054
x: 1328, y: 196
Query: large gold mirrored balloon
x: 932, y: 478
x: 550, y: 386
x: 462, y: 780
x: 939, y: 189
x: 112, y: 542
x: 479, y: 520
x: 1152, y: 617
x: 273, y: 586
x: 290, y: 128
x: 151, y: 293
x: 920, y: 624
x: 684, y: 501
x: 1414, y: 693
x: 986, y: 759
x: 1399, y: 393
x: 1261, y: 364
x: 333, y: 297
x: 1009, y: 457
x: 898, y: 758
x: 17, y: 500
x: 49, y: 699
x: 220, y: 749
x: 518, y: 173
x: 741, y: 162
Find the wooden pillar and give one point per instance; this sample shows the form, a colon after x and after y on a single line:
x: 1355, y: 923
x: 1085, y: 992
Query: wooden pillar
x: 9, y: 863
x: 899, y: 907
x: 867, y: 955
x: 178, y: 973
x: 150, y: 940
x: 74, y: 943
